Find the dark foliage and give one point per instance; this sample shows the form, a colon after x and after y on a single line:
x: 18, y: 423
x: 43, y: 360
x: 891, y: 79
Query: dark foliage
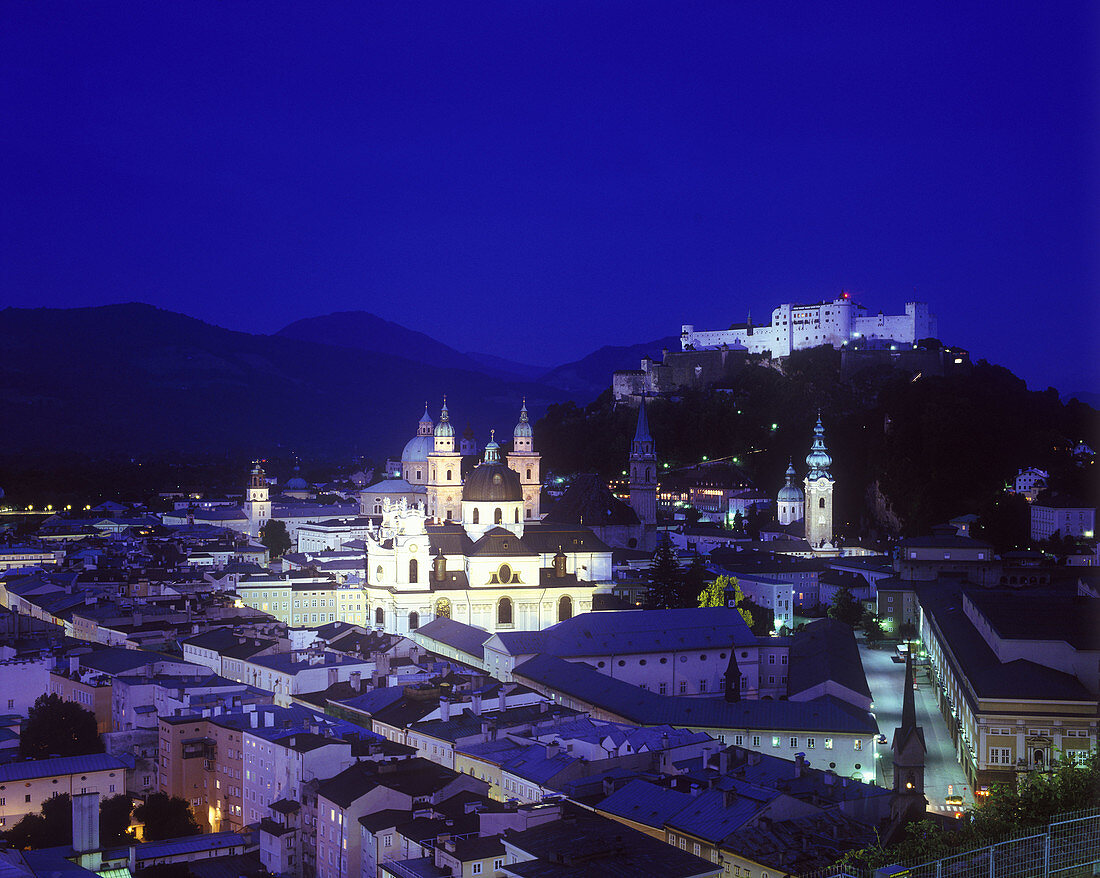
x: 275, y: 537
x: 56, y: 727
x: 166, y: 817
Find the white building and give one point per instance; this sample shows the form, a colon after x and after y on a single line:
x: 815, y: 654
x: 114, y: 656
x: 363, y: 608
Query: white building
x: 1056, y: 513
x: 1030, y: 482
x: 796, y: 327
x: 275, y: 768
x: 774, y: 593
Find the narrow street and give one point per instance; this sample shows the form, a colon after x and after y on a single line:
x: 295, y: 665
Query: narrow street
x: 886, y: 679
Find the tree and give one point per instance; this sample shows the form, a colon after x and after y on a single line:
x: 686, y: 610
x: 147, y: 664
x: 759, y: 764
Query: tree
x: 872, y: 628
x: 907, y: 631
x: 845, y: 608
x: 763, y: 618
x: 722, y: 589
x: 275, y: 537
x: 166, y: 816
x: 114, y: 819
x: 56, y: 727
x: 665, y: 578
x: 51, y: 827
x: 694, y: 580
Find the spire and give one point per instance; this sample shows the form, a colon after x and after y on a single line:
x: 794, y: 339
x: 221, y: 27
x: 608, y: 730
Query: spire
x: 642, y: 433
x: 790, y: 473
x: 492, y: 450
x: 444, y: 428
x: 908, y: 704
x: 424, y: 428
x: 523, y: 428
x: 818, y: 460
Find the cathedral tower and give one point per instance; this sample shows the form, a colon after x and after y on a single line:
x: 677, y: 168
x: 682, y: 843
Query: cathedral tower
x: 643, y: 472
x: 819, y: 492
x: 257, y: 505
x: 444, y: 471
x: 525, y: 461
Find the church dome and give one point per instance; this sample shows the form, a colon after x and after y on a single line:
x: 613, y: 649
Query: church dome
x: 790, y: 492
x: 492, y: 481
x: 417, y: 449
x: 296, y: 484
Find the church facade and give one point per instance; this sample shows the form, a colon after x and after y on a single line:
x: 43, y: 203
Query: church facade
x: 474, y: 547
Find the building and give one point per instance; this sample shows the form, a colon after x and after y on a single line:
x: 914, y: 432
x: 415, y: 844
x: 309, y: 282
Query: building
x: 819, y: 494
x: 1053, y: 513
x: 797, y: 327
x: 24, y: 786
x: 1031, y: 482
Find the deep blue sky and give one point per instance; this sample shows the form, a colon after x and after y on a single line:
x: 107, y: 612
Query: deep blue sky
x: 536, y: 179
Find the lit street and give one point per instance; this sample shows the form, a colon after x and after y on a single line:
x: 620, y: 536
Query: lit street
x: 885, y: 679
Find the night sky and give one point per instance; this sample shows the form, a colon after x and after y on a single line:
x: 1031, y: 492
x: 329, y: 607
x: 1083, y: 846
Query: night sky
x: 537, y: 179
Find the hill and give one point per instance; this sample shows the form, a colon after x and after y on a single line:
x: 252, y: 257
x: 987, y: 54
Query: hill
x: 907, y: 453
x: 590, y: 376
x: 133, y: 379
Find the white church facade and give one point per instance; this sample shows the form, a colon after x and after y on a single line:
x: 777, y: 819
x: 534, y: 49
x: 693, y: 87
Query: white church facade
x: 797, y: 327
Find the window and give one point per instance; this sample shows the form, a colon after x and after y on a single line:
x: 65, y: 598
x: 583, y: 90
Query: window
x: 683, y: 687
x: 811, y: 743
x: 828, y: 743
x: 498, y: 518
x: 1000, y: 756
x: 794, y: 743
x: 504, y: 608
x: 498, y: 863
x: 702, y: 685
x: 771, y: 659
x: 474, y: 519
x: 387, y: 840
x: 662, y: 689
x: 756, y: 740
x: 380, y: 615
x: 476, y: 870
x: 775, y: 740
x: 414, y: 620
x: 739, y: 740
x: 565, y: 608
x: 413, y: 570
x: 857, y: 744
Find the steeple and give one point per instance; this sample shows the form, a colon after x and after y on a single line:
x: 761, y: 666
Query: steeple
x: 492, y: 450
x: 818, y: 460
x: 643, y: 475
x: 443, y: 428
x: 909, y: 754
x: 527, y: 462
x: 424, y: 428
x: 641, y: 433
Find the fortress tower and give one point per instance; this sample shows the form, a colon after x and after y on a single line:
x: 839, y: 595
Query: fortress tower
x: 819, y: 492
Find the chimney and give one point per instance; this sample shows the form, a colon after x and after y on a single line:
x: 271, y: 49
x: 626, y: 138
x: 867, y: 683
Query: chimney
x: 445, y: 708
x: 723, y: 762
x: 269, y: 719
x: 728, y: 798
x: 552, y: 749
x: 799, y: 764
x: 85, y: 822
x: 356, y: 680
x: 252, y: 718
x: 475, y: 704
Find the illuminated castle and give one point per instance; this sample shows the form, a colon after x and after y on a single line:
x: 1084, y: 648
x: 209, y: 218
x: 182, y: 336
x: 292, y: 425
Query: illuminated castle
x: 796, y: 327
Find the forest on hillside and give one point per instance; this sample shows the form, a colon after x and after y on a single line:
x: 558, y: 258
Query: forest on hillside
x: 907, y: 453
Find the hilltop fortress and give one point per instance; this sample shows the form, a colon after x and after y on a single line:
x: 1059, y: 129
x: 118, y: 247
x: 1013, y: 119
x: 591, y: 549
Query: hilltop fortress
x: 710, y: 356
x: 836, y: 323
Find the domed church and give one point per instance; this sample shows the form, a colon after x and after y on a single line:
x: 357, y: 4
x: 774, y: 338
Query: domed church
x: 473, y: 547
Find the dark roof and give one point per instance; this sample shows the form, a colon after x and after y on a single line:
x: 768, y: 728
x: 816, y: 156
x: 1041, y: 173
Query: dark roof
x: 547, y: 537
x: 492, y: 483
x: 449, y: 538
x: 414, y: 777
x: 825, y: 650
x: 589, y: 502
x: 1041, y: 615
x: 460, y: 636
x: 974, y: 661
x: 633, y: 704
x: 500, y: 542
x: 582, y: 845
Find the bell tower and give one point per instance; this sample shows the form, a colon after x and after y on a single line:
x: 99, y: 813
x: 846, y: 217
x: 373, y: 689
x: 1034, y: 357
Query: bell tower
x: 257, y: 504
x: 643, y: 472
x: 819, y: 492
x: 909, y: 755
x: 444, y: 471
x: 525, y: 461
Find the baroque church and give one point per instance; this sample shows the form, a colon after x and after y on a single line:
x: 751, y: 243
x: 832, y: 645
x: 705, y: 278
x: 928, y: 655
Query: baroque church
x: 469, y: 543
x: 810, y: 509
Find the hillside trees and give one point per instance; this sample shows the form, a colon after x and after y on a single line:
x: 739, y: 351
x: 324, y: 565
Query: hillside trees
x: 56, y: 727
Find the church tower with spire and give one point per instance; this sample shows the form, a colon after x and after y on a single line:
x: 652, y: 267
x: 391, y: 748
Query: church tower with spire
x: 525, y: 461
x: 790, y: 500
x: 257, y: 504
x: 444, y: 487
x: 909, y: 754
x: 819, y: 492
x: 643, y: 473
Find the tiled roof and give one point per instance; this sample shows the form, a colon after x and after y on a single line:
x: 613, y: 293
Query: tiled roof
x: 14, y: 771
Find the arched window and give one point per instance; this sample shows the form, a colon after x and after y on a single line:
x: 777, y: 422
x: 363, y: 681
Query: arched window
x: 820, y: 502
x: 648, y: 474
x: 448, y: 475
x: 413, y: 570
x: 378, y: 573
x: 379, y: 616
x: 414, y: 620
x: 475, y: 518
x: 504, y: 611
x: 527, y: 514
x: 498, y: 515
x: 418, y: 475
x: 443, y: 609
x: 528, y: 473
x: 433, y: 473
x: 517, y: 516
x: 634, y: 473
x: 565, y: 608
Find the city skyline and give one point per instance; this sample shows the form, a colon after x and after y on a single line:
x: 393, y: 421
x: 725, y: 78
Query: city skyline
x: 536, y: 184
